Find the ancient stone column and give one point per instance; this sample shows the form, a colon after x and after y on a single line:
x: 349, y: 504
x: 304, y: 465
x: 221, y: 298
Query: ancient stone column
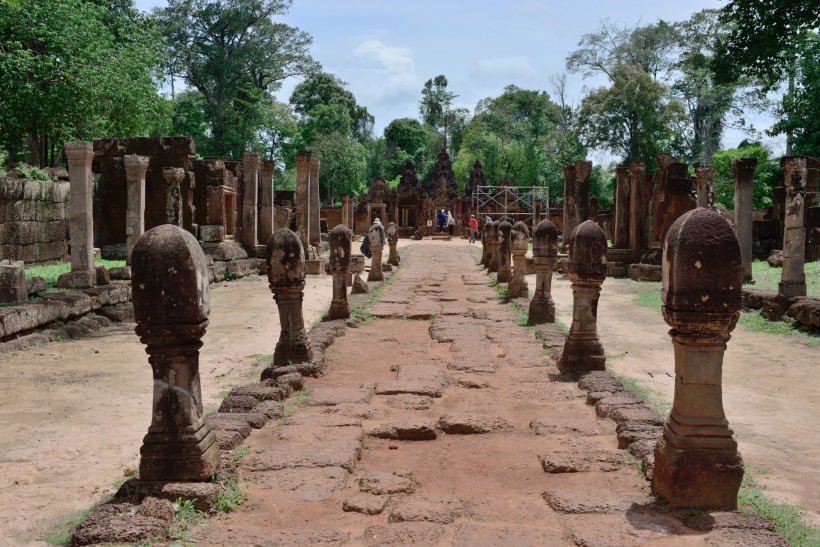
x: 705, y: 190
x: 486, y: 235
x: 266, y: 208
x: 537, y: 212
x: 376, y: 240
x: 13, y: 281
x: 346, y: 212
x: 171, y: 307
x: 492, y: 264
x: 81, y: 219
x: 583, y: 173
x: 250, y: 188
x: 583, y: 351
x: 638, y: 205
x: 189, y: 209
x: 570, y: 200
x: 135, y: 169
x: 620, y: 239
x: 173, y: 199
x: 744, y: 169
x: 518, y: 287
x: 286, y: 278
x: 696, y: 460
x: 544, y: 252
x: 339, y: 239
x: 793, y: 275
x: 393, y: 240
x: 504, y: 248
x: 302, y: 205
x: 315, y: 230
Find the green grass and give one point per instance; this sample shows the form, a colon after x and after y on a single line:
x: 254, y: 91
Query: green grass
x: 185, y: 516
x: 653, y: 399
x: 61, y: 533
x: 563, y: 326
x: 755, y: 322
x: 767, y: 278
x: 221, y: 394
x: 649, y: 299
x: 788, y: 519
x: 230, y: 496
x: 295, y: 402
x: 51, y: 272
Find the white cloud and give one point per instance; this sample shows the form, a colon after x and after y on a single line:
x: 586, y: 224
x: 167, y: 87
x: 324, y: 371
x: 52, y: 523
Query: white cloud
x: 390, y: 59
x: 505, y: 67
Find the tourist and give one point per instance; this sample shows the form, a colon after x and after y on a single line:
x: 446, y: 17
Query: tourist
x: 473, y: 228
x: 442, y: 219
x: 451, y: 223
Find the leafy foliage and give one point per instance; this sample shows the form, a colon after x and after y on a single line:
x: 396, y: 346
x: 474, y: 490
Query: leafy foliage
x: 767, y: 175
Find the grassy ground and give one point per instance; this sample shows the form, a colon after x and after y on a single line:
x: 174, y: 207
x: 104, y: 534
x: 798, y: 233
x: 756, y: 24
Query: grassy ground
x: 766, y: 278
x: 51, y: 272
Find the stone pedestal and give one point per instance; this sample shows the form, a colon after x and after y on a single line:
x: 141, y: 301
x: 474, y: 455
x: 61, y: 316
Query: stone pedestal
x: 520, y: 242
x: 81, y: 219
x: 302, y: 205
x: 705, y: 189
x: 286, y: 278
x: 314, y: 226
x: 696, y: 460
x: 544, y: 252
x: 393, y: 240
x: 13, y: 281
x: 171, y: 307
x: 250, y: 188
x: 744, y: 170
x: 504, y: 248
x: 492, y: 263
x: 793, y: 275
x: 583, y: 351
x: 570, y: 201
x: 339, y: 239
x: 583, y: 173
x: 135, y: 169
x: 486, y: 234
x: 620, y: 239
x: 638, y: 205
x: 173, y: 198
x: 376, y: 235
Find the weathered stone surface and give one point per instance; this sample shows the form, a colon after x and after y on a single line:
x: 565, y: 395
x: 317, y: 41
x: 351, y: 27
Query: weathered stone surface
x: 471, y: 424
x: 405, y: 431
x: 643, y: 448
x: 583, y: 501
x: 404, y: 533
x: 644, y: 272
x: 640, y: 414
x: 806, y: 311
x: 125, y: 523
x: 719, y: 520
x: 365, y: 504
x: 580, y: 461
x: 623, y: 399
x: 227, y: 439
x: 202, y: 494
x: 440, y: 510
x: 627, y: 437
x: 304, y: 484
x: 271, y: 409
x: 343, y: 453
x: 742, y: 538
x: 482, y: 535
x: 221, y: 421
x: 414, y: 387
x: 408, y: 401
x: 238, y: 403
x: 566, y: 426
x: 255, y: 419
x: 775, y: 258
x: 380, y: 482
x: 331, y: 396
x: 293, y: 380
x: 472, y: 382
x: 360, y: 286
x: 259, y: 392
x: 599, y: 381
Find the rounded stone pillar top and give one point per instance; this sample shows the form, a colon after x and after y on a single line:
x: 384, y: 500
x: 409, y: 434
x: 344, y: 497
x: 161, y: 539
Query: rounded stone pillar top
x: 392, y: 229
x: 740, y: 165
x: 339, y: 239
x: 583, y: 169
x: 173, y: 174
x: 251, y: 161
x: 795, y: 172
x: 286, y: 259
x: 521, y: 229
x: 504, y: 229
x: 376, y: 234
x: 169, y: 277
x: 587, y: 252
x: 79, y: 150
x: 135, y: 163
x: 702, y: 269
x: 494, y: 229
x: 303, y: 160
x: 545, y: 240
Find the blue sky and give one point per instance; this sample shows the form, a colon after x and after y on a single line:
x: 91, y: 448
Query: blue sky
x: 387, y: 49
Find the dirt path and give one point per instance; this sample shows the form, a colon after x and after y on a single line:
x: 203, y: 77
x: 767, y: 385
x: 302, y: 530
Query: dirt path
x: 73, y: 414
x: 443, y: 423
x: 770, y: 387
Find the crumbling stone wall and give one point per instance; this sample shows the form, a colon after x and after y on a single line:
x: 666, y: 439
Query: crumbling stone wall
x: 33, y: 220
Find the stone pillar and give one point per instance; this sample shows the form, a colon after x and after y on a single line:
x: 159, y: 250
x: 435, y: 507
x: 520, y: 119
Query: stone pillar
x: 189, y: 210
x: 393, y: 240
x: 583, y: 351
x: 376, y: 235
x: 705, y: 190
x: 80, y: 154
x: 266, y: 209
x: 536, y: 217
x: 620, y: 239
x: 315, y: 230
x: 570, y: 200
x: 696, y: 460
x: 486, y: 235
x: 173, y: 198
x: 286, y: 278
x: 302, y: 205
x: 504, y: 247
x: 339, y: 239
x: 250, y: 188
x: 13, y: 281
x: 744, y: 169
x: 492, y: 264
x: 544, y: 252
x: 520, y: 242
x: 346, y: 220
x: 793, y: 275
x: 638, y: 205
x: 171, y: 307
x: 135, y: 169
x: 583, y: 173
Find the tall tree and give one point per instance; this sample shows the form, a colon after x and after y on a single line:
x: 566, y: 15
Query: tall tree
x: 321, y: 88
x: 436, y: 105
x: 236, y: 56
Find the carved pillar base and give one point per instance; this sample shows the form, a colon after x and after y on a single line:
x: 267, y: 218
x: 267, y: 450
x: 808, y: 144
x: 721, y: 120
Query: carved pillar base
x: 188, y: 456
x: 339, y: 307
x: 518, y: 287
x: 695, y: 477
x: 375, y: 273
x: 583, y: 351
x: 542, y: 310
x: 394, y: 258
x: 293, y: 346
x: 492, y: 262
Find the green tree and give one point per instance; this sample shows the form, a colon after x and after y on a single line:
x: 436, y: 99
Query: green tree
x: 800, y: 110
x: 436, y: 106
x: 323, y: 89
x: 74, y: 69
x: 343, y: 164
x: 236, y: 56
x: 767, y: 175
x: 407, y: 139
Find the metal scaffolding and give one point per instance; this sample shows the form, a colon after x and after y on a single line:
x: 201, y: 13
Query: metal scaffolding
x: 515, y: 202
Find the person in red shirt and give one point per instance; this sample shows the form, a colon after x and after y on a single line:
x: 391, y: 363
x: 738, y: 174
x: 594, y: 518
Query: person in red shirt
x: 473, y: 228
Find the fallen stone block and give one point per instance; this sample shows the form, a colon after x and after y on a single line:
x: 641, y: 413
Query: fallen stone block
x: 380, y: 483
x: 581, y: 461
x: 471, y: 424
x: 365, y: 504
x: 405, y: 431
